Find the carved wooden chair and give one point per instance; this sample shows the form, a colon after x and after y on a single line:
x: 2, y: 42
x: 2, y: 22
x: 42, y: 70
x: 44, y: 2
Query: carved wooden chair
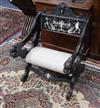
x: 49, y: 63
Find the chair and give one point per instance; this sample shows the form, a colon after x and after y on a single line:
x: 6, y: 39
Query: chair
x: 49, y: 63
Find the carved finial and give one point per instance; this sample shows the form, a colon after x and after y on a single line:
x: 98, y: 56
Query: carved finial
x: 62, y: 7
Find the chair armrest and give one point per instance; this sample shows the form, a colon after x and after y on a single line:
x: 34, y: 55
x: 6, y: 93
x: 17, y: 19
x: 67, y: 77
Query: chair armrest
x: 17, y: 50
x: 75, y: 60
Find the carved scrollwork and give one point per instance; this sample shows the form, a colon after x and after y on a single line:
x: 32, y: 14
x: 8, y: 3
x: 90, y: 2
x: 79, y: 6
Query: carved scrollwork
x: 62, y: 20
x: 62, y: 25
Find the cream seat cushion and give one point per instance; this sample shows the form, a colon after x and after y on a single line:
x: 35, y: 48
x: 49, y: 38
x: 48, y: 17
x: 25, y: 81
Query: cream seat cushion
x: 47, y: 58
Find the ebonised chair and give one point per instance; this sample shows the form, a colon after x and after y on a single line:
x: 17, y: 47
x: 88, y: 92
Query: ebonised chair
x: 49, y: 63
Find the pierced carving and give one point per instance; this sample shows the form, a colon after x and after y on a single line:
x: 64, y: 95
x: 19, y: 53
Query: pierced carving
x: 62, y: 25
x: 63, y: 20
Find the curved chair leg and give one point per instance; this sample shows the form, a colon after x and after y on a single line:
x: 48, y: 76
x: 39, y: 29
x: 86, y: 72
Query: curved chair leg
x: 74, y: 80
x: 69, y: 94
x: 25, y: 75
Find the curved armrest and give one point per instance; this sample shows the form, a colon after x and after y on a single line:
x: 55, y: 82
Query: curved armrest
x: 18, y: 50
x: 74, y: 62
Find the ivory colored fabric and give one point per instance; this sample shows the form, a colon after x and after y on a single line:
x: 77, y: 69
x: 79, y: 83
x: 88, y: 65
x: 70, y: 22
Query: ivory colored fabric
x: 47, y: 58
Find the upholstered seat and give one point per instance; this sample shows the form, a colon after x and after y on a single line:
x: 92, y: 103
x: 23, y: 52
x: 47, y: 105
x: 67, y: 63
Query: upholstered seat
x: 48, y: 58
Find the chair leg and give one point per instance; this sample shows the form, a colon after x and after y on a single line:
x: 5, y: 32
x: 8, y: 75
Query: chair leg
x: 74, y: 80
x: 69, y: 94
x: 25, y: 75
